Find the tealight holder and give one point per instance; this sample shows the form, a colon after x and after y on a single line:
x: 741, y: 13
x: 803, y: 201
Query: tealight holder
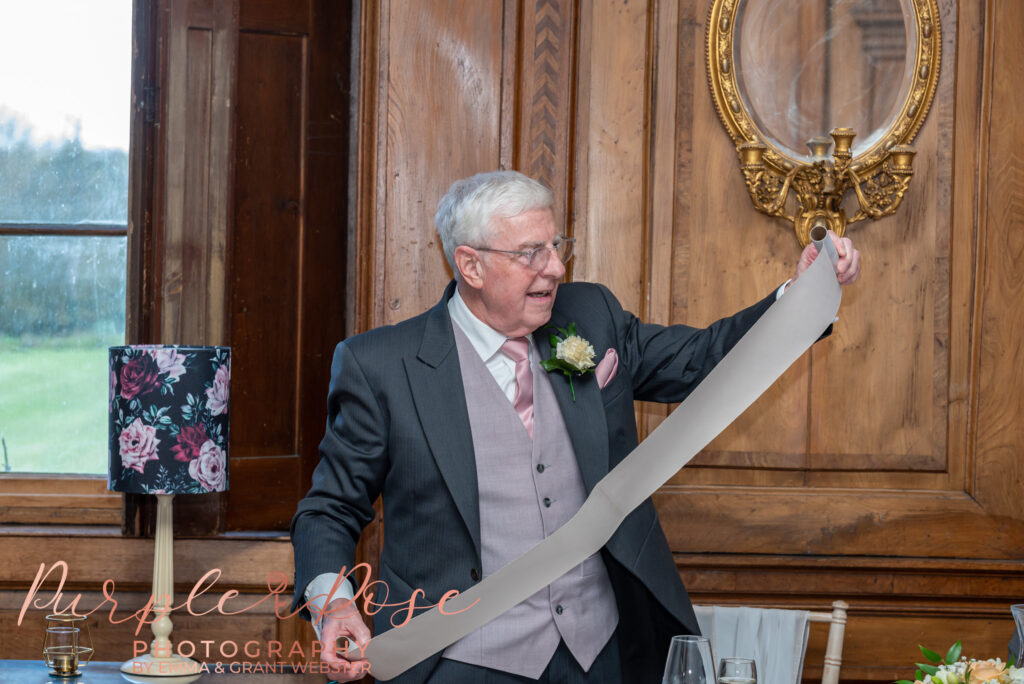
x: 67, y: 645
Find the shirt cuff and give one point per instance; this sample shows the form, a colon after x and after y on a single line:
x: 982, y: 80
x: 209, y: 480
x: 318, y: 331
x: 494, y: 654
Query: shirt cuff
x: 782, y: 288
x: 316, y: 595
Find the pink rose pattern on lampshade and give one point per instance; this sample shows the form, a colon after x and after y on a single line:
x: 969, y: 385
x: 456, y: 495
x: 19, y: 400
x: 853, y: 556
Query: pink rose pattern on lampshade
x: 208, y: 468
x: 217, y: 394
x: 169, y: 410
x: 138, y: 443
x: 169, y: 360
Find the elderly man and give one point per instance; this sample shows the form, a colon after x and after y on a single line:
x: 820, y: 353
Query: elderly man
x: 480, y: 454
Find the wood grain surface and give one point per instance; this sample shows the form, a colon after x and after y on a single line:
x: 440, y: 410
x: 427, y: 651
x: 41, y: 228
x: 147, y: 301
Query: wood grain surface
x: 894, y: 440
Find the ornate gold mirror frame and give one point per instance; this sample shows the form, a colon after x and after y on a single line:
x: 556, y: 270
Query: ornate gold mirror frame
x: 879, y: 175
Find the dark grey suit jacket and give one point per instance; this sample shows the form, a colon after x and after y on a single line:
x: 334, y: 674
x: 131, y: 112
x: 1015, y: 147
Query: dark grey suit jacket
x: 398, y: 426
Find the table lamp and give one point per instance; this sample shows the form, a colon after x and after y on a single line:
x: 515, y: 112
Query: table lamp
x: 168, y: 435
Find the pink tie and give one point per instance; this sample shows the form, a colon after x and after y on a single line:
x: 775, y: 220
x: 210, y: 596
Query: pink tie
x: 518, y: 349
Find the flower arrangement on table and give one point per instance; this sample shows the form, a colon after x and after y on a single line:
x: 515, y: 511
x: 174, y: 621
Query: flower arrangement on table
x: 954, y: 668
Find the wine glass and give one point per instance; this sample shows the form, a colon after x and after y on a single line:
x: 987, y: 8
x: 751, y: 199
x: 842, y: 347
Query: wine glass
x: 689, y: 661
x: 737, y: 671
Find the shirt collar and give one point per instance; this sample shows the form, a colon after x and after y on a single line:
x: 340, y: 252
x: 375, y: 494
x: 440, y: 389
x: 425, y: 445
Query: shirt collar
x: 485, y: 340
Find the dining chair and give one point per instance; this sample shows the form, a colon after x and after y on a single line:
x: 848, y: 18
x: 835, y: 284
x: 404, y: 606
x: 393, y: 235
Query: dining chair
x: 775, y: 629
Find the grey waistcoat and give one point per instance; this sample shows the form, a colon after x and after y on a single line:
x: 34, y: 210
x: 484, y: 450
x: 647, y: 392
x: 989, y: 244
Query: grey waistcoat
x: 528, y: 489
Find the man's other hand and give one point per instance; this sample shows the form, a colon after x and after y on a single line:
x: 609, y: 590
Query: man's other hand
x: 345, y: 660
x: 848, y: 267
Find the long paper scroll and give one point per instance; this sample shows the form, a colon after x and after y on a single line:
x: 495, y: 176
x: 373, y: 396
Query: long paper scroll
x: 779, y: 338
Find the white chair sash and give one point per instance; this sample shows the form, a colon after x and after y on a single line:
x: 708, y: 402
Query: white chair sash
x: 775, y: 639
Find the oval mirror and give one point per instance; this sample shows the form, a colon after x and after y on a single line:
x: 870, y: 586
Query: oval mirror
x: 785, y: 71
x: 804, y: 67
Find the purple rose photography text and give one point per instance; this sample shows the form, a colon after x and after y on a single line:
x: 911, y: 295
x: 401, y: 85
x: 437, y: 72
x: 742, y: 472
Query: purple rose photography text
x: 253, y: 656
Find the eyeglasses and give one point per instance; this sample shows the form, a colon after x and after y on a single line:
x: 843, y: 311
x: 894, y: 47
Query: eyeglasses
x: 538, y: 257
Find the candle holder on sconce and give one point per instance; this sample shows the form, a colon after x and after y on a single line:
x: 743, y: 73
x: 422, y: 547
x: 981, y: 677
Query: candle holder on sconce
x: 821, y: 184
x: 67, y: 646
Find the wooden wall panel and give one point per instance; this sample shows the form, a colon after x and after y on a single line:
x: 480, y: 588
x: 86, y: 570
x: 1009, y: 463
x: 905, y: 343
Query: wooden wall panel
x: 195, y: 258
x: 443, y: 115
x: 268, y: 211
x: 247, y: 251
x: 906, y: 273
x: 661, y: 204
x: 431, y: 113
x: 730, y: 257
x: 884, y: 388
x: 197, y: 173
x: 188, y: 270
x: 268, y: 192
x: 669, y: 69
x: 998, y: 478
x: 886, y: 344
x: 326, y: 294
x: 269, y: 148
x: 289, y: 247
x: 610, y: 173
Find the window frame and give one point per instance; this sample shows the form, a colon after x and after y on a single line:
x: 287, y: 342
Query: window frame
x: 34, y: 499
x: 50, y: 498
x: 64, y: 229
x: 44, y: 499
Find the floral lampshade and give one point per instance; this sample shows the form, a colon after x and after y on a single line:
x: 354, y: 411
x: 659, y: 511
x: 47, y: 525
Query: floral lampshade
x: 169, y: 419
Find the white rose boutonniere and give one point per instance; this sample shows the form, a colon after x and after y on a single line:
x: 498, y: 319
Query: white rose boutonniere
x: 570, y: 354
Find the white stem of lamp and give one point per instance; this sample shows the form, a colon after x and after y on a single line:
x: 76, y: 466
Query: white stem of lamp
x: 161, y: 661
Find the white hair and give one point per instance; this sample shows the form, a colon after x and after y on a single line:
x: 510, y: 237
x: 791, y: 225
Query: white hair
x: 466, y: 212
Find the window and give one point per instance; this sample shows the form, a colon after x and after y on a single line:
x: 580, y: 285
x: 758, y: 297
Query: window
x: 64, y: 130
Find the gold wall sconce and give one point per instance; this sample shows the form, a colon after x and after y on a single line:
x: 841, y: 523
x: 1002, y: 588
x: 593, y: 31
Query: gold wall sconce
x: 781, y: 70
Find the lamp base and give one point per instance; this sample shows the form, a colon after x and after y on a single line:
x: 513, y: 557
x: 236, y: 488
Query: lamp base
x: 173, y: 669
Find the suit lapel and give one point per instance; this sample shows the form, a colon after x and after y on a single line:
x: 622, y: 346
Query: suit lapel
x: 435, y: 379
x: 585, y: 417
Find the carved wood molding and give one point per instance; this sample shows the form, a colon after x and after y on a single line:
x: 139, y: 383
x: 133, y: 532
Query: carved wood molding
x: 546, y: 46
x: 884, y: 585
x: 549, y: 49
